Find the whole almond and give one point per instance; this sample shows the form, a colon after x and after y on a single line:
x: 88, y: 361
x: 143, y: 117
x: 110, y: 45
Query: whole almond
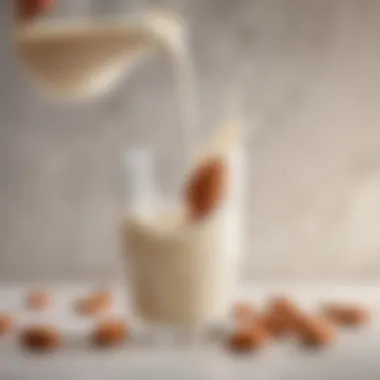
x: 248, y: 339
x: 91, y: 306
x: 95, y: 303
x: 284, y: 306
x: 316, y: 331
x: 6, y: 323
x: 276, y: 325
x: 38, y: 300
x: 241, y: 341
x: 103, y: 296
x: 346, y: 314
x: 206, y: 188
x: 110, y: 332
x: 41, y: 338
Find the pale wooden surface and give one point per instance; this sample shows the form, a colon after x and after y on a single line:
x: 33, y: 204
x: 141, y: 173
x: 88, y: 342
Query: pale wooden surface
x: 313, y: 93
x: 354, y: 356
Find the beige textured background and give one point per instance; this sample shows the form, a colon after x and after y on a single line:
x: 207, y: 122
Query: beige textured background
x: 313, y: 92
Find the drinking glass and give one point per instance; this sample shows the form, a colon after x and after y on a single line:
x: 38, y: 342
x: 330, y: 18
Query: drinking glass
x: 183, y: 276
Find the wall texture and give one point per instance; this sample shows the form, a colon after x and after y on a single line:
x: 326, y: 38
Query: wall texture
x: 313, y: 95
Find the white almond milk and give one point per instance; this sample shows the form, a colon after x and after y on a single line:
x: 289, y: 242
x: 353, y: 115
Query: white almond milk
x: 77, y: 60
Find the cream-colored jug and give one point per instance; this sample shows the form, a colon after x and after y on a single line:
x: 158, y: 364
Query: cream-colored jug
x: 74, y: 53
x: 85, y: 57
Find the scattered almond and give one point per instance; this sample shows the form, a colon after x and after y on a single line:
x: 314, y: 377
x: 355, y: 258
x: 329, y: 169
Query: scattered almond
x: 241, y: 341
x: 6, y: 323
x: 206, y: 188
x: 104, y: 296
x: 38, y: 300
x: 41, y: 338
x: 110, y: 332
x: 96, y: 303
x: 260, y: 336
x: 316, y: 332
x: 283, y: 306
x: 346, y: 315
x: 248, y: 340
x: 276, y: 325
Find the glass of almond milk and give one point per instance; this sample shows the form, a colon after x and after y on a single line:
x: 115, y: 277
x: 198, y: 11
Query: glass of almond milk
x: 184, y: 272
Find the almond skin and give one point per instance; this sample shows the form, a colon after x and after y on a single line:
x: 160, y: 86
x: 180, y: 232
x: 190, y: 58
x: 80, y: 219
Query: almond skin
x: 248, y: 339
x: 38, y: 300
x: 110, y: 332
x: 241, y: 342
x: 91, y: 306
x: 41, y: 338
x: 96, y: 303
x: 346, y: 315
x: 284, y: 306
x: 206, y: 188
x: 6, y: 323
x: 104, y: 296
x: 276, y: 325
x: 315, y: 332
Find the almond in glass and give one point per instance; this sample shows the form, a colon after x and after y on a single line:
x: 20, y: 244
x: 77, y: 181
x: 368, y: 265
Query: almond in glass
x: 206, y: 188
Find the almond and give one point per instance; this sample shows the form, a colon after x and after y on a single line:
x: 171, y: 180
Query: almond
x: 248, y: 339
x: 281, y: 305
x: 103, y: 296
x: 38, y: 300
x: 315, y: 331
x: 276, y: 325
x: 241, y: 341
x: 6, y: 323
x: 95, y: 303
x: 41, y: 338
x: 206, y: 188
x: 346, y: 315
x: 109, y: 333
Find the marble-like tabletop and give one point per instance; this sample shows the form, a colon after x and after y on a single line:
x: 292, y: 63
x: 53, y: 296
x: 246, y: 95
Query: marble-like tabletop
x: 355, y: 355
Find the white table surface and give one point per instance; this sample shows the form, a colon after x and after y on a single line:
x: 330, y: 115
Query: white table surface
x: 355, y: 356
